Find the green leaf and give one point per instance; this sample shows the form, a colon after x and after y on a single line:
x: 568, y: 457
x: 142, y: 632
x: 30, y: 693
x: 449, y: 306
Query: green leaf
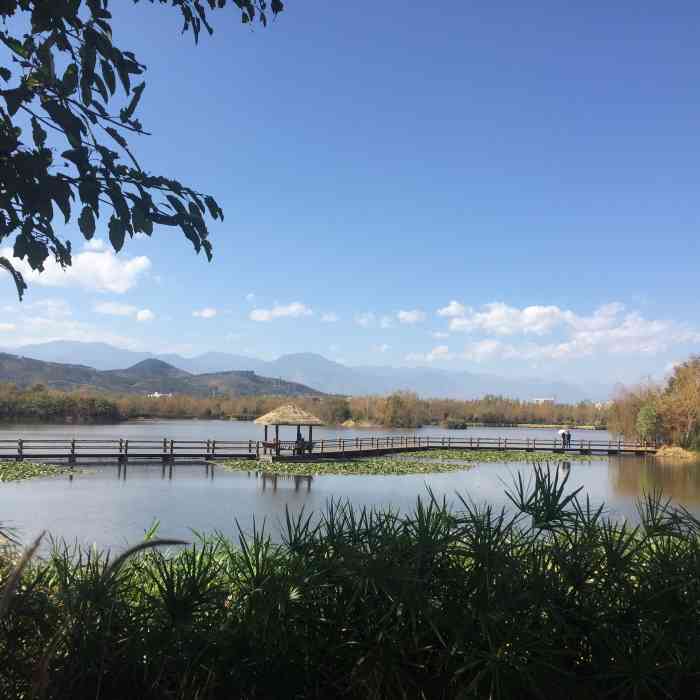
x: 177, y: 204
x: 69, y: 81
x: 14, y: 98
x: 120, y: 206
x: 20, y: 284
x: 14, y: 45
x: 86, y: 222
x: 116, y: 136
x: 61, y: 193
x: 126, y: 114
x: 5, y: 74
x: 71, y: 125
x: 38, y: 133
x: 108, y: 75
x: 117, y: 231
x: 89, y: 191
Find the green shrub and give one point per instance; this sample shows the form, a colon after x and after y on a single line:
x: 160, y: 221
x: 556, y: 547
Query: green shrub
x: 549, y: 600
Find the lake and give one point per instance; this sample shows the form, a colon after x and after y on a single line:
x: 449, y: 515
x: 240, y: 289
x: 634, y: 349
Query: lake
x: 113, y: 506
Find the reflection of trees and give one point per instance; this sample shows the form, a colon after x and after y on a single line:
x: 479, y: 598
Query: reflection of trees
x: 631, y: 477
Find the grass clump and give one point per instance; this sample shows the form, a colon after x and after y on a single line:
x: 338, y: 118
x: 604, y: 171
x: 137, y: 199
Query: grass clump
x: 549, y: 600
x: 359, y: 465
x: 17, y: 471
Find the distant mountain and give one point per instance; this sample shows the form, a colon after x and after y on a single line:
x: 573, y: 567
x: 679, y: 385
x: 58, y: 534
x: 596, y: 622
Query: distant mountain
x: 324, y: 375
x: 145, y: 377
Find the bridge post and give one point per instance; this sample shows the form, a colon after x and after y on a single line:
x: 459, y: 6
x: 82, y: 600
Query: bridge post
x: 121, y: 450
x: 164, y: 458
x: 71, y: 459
x: 20, y: 450
x: 126, y: 450
x: 172, y: 453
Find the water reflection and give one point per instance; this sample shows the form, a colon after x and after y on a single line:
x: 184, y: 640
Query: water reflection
x: 678, y: 481
x: 272, y: 479
x: 170, y: 470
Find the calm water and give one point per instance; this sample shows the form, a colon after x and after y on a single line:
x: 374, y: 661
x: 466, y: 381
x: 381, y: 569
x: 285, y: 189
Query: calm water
x: 112, y: 506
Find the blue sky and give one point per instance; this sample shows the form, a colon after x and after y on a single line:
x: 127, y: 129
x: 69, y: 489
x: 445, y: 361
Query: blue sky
x: 535, y: 166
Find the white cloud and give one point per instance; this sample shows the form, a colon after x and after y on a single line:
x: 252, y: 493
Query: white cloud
x: 250, y: 297
x: 95, y: 244
x: 294, y: 310
x: 441, y: 352
x: 329, y: 317
x: 145, y: 315
x: 366, y: 319
x: 440, y: 335
x: 7, y: 327
x: 502, y: 319
x: 51, y: 319
x: 381, y: 348
x: 386, y: 322
x: 114, y: 308
x: 206, y: 312
x: 52, y: 308
x: 453, y: 310
x: 96, y: 268
x: 411, y: 317
x: 484, y: 350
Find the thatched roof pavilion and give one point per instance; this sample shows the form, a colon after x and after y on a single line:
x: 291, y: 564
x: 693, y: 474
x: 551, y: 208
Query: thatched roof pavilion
x: 289, y: 415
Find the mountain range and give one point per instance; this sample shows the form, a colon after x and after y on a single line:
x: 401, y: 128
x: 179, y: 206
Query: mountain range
x: 322, y: 374
x: 145, y: 377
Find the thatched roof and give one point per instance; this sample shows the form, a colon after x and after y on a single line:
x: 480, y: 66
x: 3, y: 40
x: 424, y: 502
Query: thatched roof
x: 289, y: 415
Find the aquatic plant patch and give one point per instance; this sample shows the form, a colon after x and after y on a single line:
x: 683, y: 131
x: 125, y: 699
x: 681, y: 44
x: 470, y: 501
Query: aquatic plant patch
x: 17, y: 471
x: 476, y: 456
x: 361, y: 465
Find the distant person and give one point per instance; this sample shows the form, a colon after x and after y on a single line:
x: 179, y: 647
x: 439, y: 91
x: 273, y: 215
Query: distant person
x: 562, y: 435
x: 568, y: 438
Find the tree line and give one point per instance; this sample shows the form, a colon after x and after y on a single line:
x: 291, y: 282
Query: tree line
x: 667, y: 412
x: 398, y: 410
x: 48, y: 406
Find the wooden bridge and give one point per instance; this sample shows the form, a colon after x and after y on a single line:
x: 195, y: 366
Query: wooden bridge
x: 166, y: 450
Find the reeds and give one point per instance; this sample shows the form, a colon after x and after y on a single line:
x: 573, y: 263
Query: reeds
x: 551, y: 599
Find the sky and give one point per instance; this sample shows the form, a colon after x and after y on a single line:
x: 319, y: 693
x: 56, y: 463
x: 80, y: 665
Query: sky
x: 477, y: 186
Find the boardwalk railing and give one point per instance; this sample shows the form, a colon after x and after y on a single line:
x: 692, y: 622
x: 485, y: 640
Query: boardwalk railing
x: 169, y: 450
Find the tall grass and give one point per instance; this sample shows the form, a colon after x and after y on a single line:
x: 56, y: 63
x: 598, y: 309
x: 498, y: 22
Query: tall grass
x: 551, y: 599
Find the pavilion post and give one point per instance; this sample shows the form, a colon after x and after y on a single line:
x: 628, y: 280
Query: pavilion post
x: 277, y: 439
x: 311, y: 439
x: 265, y: 446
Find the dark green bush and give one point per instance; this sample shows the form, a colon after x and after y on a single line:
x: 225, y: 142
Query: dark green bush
x: 551, y: 600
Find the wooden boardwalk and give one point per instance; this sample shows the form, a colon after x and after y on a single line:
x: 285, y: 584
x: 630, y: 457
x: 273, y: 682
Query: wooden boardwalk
x: 165, y: 450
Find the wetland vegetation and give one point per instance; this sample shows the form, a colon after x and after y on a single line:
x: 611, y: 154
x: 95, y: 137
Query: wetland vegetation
x: 18, y: 471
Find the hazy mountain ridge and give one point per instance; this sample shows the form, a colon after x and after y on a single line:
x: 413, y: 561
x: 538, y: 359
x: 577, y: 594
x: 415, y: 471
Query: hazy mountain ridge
x: 145, y: 377
x: 324, y: 375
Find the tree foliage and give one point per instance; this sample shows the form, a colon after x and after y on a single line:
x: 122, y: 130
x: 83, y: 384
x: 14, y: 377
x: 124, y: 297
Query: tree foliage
x: 671, y: 410
x: 71, y: 96
x: 647, y: 423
